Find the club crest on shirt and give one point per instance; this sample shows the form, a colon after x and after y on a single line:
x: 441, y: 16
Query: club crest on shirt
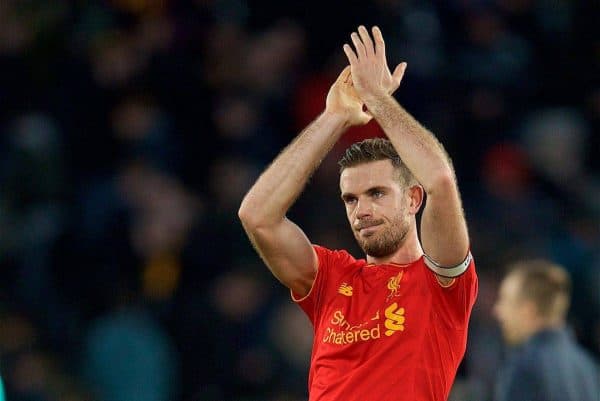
x: 394, y: 286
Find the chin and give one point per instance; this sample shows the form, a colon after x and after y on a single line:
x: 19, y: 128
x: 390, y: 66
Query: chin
x: 383, y: 242
x: 379, y: 250
x: 512, y: 340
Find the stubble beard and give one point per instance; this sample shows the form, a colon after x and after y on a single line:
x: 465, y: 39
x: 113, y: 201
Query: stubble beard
x: 386, y: 242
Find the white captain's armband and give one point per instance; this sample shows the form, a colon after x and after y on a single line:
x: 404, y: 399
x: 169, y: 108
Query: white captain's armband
x: 449, y: 272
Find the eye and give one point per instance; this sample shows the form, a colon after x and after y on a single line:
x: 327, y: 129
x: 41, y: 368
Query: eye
x: 349, y: 200
x: 377, y: 194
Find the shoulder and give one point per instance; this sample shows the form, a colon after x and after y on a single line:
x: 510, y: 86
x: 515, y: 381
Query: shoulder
x: 522, y: 364
x: 586, y: 359
x: 330, y: 257
x: 518, y: 380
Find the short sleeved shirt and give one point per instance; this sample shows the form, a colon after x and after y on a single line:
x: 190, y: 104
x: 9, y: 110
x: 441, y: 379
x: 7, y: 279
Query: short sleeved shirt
x: 385, y: 332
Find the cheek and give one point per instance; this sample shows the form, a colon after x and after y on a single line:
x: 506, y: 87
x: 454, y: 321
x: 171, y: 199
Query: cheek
x: 386, y: 208
x: 398, y: 205
x: 350, y: 214
x: 496, y: 311
x: 501, y: 311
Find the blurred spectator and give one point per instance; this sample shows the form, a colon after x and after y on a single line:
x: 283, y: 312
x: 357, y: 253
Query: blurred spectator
x: 31, y: 373
x: 144, y: 131
x: 128, y: 356
x: 555, y: 140
x: 546, y: 363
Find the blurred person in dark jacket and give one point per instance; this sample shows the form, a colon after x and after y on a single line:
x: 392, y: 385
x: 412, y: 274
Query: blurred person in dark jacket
x: 545, y: 362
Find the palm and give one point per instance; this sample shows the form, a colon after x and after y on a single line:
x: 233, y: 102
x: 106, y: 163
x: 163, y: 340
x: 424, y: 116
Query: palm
x: 342, y: 98
x: 370, y: 71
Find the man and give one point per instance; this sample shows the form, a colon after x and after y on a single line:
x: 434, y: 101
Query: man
x: 546, y: 364
x: 392, y: 327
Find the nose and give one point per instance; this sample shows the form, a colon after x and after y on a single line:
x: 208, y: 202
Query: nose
x: 364, y: 208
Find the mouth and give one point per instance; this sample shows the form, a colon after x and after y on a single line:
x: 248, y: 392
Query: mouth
x: 368, y: 229
x: 368, y: 224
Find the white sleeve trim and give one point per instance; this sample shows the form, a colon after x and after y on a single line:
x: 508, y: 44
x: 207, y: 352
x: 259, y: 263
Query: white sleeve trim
x: 449, y: 272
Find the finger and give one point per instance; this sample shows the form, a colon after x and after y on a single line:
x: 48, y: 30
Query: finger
x: 358, y: 45
x: 399, y: 72
x: 379, y: 43
x: 344, y: 75
x: 350, y: 54
x: 366, y: 39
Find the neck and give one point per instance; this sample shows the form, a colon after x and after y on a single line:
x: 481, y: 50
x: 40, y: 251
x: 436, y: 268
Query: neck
x: 538, y: 325
x: 408, y: 252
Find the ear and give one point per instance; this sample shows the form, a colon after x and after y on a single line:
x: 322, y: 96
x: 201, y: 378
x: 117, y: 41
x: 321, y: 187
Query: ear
x: 416, y: 195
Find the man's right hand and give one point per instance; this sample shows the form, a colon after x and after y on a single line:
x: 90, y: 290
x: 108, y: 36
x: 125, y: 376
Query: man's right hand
x: 343, y: 100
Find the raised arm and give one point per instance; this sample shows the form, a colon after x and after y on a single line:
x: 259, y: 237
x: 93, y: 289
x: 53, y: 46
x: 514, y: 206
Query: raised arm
x: 282, y: 244
x: 444, y: 235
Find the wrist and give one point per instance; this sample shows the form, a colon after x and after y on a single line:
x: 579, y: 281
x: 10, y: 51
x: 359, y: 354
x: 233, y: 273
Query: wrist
x: 337, y: 118
x: 371, y: 100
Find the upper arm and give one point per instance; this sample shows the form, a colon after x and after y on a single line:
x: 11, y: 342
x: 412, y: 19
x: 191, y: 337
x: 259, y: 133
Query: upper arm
x: 444, y: 234
x: 287, y: 252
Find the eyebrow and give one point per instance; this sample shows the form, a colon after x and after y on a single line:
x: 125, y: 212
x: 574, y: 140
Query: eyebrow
x: 376, y: 188
x: 346, y: 195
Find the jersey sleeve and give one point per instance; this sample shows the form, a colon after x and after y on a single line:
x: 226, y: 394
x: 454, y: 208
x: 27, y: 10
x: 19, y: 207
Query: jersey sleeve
x: 330, y: 263
x: 453, y: 303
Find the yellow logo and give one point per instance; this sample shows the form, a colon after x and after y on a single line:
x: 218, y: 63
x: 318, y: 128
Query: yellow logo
x: 394, y: 285
x: 345, y: 289
x: 344, y: 333
x: 394, y: 319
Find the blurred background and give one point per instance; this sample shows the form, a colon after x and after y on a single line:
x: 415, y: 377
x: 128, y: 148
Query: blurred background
x: 131, y: 129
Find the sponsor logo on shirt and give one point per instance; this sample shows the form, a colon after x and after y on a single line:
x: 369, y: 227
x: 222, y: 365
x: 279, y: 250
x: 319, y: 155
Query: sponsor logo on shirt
x: 394, y: 319
x: 342, y: 332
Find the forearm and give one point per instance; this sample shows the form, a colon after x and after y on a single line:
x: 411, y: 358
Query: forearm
x: 281, y: 183
x: 418, y: 148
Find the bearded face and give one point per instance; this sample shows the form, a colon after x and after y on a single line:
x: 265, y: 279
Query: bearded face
x: 381, y: 237
x: 376, y: 206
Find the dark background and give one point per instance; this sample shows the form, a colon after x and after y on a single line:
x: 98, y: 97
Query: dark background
x: 131, y: 129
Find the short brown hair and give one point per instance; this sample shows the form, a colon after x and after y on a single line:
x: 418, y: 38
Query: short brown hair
x: 374, y: 149
x: 546, y: 284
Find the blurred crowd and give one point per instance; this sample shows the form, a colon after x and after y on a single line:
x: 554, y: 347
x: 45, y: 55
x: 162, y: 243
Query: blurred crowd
x: 131, y: 129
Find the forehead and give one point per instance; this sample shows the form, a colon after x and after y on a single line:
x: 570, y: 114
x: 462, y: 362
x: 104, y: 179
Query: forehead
x: 367, y: 175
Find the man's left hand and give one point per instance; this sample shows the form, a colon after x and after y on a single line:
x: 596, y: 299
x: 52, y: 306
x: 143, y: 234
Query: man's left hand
x: 368, y: 64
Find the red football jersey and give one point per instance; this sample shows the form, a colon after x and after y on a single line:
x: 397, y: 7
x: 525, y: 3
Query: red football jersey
x: 385, y: 332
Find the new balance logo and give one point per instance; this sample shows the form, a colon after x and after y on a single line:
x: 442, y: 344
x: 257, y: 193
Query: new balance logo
x: 345, y: 289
